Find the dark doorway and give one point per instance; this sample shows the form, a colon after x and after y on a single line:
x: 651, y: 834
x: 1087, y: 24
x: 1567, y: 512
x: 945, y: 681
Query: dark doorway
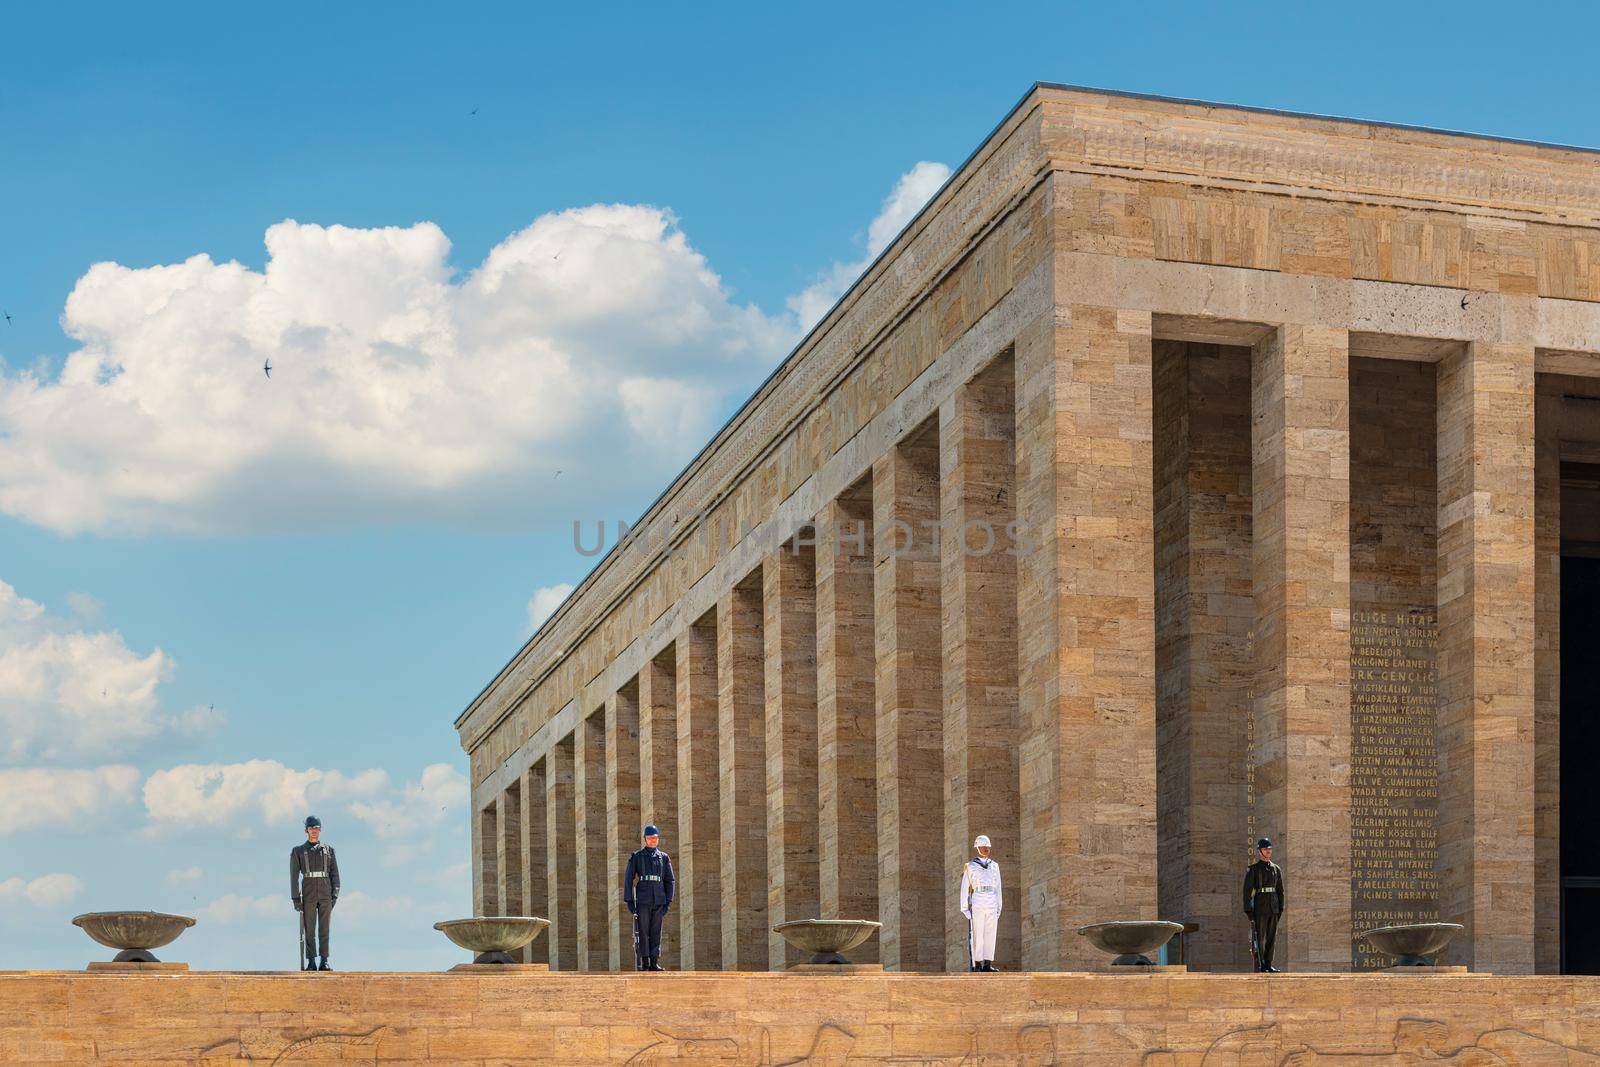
x: 1580, y: 764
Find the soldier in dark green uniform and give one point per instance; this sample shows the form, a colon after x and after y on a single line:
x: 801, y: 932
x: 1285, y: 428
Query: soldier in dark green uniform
x: 1263, y: 904
x: 314, y: 888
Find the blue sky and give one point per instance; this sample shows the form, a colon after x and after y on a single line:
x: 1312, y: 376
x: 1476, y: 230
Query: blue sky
x: 227, y: 600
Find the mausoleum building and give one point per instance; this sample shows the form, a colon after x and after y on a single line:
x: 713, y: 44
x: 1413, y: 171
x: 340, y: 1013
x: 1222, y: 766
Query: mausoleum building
x: 1181, y: 474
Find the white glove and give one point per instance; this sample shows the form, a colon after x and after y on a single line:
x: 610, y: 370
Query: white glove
x: 967, y: 915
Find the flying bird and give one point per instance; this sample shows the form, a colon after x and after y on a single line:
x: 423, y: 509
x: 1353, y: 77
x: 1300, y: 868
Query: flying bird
x: 8, y: 318
x: 267, y: 368
x: 474, y: 111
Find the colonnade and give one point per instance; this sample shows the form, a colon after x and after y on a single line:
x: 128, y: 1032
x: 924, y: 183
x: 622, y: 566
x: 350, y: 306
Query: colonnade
x: 823, y: 742
x: 965, y: 640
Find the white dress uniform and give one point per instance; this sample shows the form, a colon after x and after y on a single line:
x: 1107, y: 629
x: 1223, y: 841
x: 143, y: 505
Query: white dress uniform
x: 980, y: 903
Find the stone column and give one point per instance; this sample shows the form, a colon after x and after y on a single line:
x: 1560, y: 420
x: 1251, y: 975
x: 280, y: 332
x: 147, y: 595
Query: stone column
x: 622, y: 815
x: 912, y: 893
x: 1300, y: 400
x: 561, y: 870
x: 658, y: 770
x: 1486, y: 654
x: 510, y: 819
x: 589, y: 844
x: 978, y: 599
x: 486, y: 861
x: 1176, y: 696
x: 536, y: 850
x: 847, y: 755
x: 741, y: 767
x: 789, y: 627
x: 1547, y: 684
x: 1086, y: 637
x: 699, y: 858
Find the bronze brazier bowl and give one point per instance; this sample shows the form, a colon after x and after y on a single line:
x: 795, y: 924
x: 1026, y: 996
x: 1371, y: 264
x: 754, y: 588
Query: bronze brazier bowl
x: 492, y: 938
x: 1131, y: 940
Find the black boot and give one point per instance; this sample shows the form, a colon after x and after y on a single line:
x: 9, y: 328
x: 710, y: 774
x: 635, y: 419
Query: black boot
x: 311, y: 965
x: 989, y: 966
x: 655, y: 964
x: 324, y: 966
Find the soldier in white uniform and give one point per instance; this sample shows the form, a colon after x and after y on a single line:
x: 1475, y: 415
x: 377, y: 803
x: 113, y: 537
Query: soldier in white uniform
x: 980, y: 904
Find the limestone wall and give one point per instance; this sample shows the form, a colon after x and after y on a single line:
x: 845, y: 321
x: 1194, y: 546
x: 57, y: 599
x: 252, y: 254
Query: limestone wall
x: 767, y: 1020
x: 1259, y: 393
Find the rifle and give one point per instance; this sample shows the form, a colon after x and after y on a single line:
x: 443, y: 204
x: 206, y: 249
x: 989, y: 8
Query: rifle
x: 1255, y: 944
x: 300, y: 927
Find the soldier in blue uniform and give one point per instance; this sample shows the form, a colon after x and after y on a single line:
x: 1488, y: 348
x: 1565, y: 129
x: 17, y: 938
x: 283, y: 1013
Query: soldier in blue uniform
x: 647, y: 890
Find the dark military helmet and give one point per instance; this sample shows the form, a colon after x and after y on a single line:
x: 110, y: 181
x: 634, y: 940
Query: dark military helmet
x: 651, y: 831
x: 312, y: 820
x: 1265, y: 842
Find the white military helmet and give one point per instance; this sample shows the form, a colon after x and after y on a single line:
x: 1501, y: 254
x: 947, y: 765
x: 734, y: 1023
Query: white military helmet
x: 982, y: 841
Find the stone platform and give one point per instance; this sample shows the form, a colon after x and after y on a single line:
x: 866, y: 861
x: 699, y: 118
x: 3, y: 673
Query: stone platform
x: 771, y: 1019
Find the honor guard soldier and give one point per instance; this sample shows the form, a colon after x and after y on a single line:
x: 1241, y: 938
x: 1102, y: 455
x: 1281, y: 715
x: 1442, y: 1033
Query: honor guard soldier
x: 314, y: 888
x: 647, y: 887
x: 980, y: 904
x: 1263, y: 904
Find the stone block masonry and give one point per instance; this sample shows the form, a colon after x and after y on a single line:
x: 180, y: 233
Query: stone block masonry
x: 763, y: 1020
x: 1293, y: 419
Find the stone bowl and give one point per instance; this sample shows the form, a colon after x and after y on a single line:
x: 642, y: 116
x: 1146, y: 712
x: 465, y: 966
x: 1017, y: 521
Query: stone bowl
x: 827, y: 939
x: 1412, y: 943
x: 492, y: 938
x: 1131, y: 941
x: 134, y: 932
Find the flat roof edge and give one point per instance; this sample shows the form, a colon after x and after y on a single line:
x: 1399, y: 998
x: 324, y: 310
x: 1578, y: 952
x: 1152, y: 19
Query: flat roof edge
x: 1315, y: 116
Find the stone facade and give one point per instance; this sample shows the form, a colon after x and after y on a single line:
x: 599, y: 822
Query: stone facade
x: 1270, y: 425
x: 764, y: 1020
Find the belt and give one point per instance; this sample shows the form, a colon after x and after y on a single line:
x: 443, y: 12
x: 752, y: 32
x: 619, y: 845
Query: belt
x: 649, y: 878
x: 315, y: 874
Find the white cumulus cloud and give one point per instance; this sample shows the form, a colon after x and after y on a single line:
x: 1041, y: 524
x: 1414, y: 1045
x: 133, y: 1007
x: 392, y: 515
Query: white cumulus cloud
x: 251, y: 794
x: 545, y: 600
x: 37, y: 798
x: 399, y: 390
x: 67, y: 692
x: 597, y: 342
x: 407, y: 822
x: 48, y: 890
x: 364, y: 909
x: 232, y: 908
x: 184, y: 875
x: 87, y: 608
x: 914, y: 189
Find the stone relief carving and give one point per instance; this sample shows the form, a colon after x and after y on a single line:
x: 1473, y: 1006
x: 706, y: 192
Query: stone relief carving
x: 1414, y: 1041
x: 833, y: 1045
x: 312, y: 1046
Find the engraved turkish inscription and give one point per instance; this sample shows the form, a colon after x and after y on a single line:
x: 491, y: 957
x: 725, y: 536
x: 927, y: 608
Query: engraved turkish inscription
x: 1394, y: 774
